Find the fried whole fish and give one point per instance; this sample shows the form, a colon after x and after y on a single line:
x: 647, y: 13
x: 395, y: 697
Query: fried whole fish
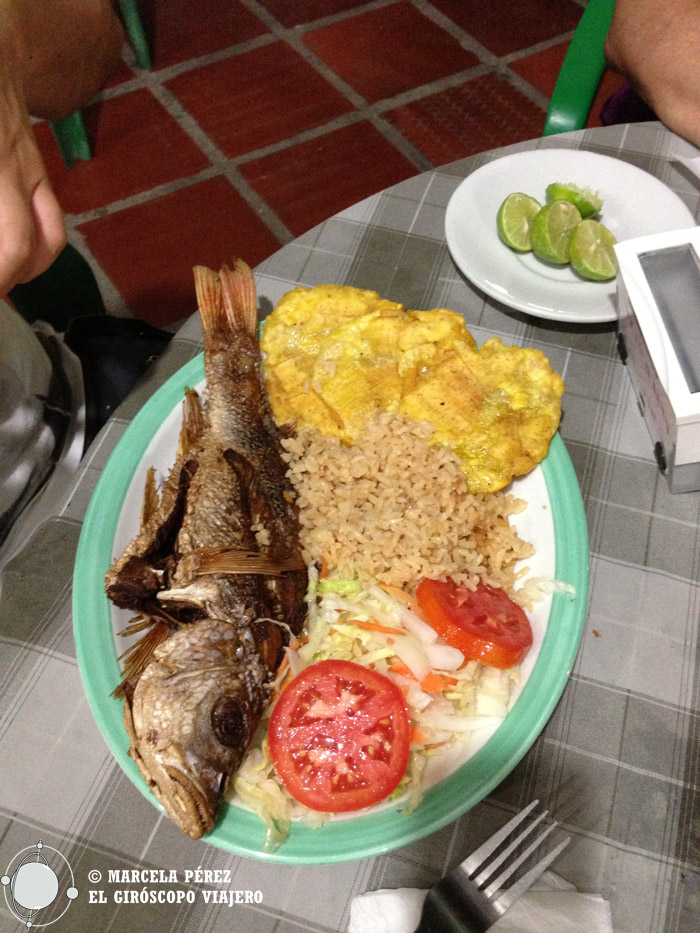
x: 215, y: 572
x: 239, y: 537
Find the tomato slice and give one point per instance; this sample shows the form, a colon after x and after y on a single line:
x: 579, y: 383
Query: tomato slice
x: 485, y: 624
x: 339, y: 736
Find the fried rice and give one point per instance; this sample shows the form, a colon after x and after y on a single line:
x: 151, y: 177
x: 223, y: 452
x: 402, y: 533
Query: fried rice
x: 393, y: 509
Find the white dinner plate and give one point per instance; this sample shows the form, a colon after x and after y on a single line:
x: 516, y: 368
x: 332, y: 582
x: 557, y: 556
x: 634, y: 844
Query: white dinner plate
x: 634, y: 204
x: 554, y: 521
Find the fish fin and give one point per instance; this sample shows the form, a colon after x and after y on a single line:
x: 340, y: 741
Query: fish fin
x: 137, y: 658
x: 239, y: 297
x: 234, y: 560
x: 192, y: 422
x: 151, y: 499
x: 208, y: 289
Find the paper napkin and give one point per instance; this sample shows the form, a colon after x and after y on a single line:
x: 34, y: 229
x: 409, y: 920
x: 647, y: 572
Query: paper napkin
x: 551, y: 904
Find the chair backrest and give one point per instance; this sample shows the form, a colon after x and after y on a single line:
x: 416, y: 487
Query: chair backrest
x: 581, y: 71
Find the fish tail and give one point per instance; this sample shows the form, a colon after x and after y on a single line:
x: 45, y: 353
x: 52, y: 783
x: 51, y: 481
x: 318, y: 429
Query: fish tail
x: 211, y: 309
x: 239, y: 296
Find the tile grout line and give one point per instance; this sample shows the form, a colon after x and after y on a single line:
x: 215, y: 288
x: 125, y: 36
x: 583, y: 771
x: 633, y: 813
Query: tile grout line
x: 227, y: 166
x: 221, y: 164
x: 154, y: 82
x: 362, y: 106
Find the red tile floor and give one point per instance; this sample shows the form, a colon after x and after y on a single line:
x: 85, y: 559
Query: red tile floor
x: 260, y: 118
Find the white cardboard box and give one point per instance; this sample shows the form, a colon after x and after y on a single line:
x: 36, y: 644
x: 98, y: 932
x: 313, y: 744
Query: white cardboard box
x: 658, y: 291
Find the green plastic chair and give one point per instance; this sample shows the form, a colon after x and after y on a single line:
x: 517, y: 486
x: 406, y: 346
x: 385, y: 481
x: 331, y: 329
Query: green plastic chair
x: 137, y: 36
x: 70, y: 134
x: 581, y: 71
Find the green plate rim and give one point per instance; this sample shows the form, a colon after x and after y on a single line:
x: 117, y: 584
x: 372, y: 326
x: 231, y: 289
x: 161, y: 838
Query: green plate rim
x: 371, y: 833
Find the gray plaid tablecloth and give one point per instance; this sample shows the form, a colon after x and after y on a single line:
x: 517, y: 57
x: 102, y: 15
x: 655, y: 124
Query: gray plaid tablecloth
x: 618, y: 761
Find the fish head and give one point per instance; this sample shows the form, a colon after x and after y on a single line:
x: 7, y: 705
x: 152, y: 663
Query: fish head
x: 173, y: 782
x: 192, y: 715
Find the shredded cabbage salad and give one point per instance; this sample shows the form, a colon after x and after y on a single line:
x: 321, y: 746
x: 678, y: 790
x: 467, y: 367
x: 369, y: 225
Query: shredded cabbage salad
x: 378, y: 627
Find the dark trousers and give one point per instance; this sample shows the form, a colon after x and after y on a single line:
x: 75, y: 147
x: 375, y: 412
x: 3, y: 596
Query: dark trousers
x: 114, y: 352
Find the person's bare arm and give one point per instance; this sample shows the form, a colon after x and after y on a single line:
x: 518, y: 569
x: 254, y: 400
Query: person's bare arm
x: 64, y: 50
x: 656, y: 46
x: 32, y: 231
x: 54, y: 56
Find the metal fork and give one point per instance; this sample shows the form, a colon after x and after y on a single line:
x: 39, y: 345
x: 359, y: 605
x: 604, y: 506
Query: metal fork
x: 465, y: 902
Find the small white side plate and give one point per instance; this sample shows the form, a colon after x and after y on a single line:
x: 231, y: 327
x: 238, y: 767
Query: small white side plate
x: 634, y: 204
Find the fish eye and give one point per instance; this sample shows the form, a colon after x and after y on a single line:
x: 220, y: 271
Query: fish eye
x: 230, y: 721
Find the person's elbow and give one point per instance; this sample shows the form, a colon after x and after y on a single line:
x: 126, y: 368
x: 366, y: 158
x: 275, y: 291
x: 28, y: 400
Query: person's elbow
x: 679, y: 113
x: 71, y: 71
x: 31, y: 239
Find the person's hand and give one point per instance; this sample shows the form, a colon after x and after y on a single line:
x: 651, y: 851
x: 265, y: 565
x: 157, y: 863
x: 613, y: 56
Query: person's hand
x: 32, y: 230
x: 655, y: 46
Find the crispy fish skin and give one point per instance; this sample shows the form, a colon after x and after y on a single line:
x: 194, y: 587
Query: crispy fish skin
x: 229, y: 479
x: 235, y: 404
x: 231, y: 568
x: 136, y: 576
x: 216, y: 514
x: 193, y: 713
x: 240, y: 424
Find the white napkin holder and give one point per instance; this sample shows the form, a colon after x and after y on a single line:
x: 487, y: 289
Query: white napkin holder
x: 658, y: 293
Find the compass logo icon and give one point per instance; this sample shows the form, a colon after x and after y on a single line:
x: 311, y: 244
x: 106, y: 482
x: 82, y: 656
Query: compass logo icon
x: 31, y: 883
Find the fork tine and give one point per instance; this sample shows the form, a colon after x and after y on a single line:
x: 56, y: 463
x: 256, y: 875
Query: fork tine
x: 457, y: 903
x: 492, y: 867
x: 517, y: 862
x: 515, y: 891
x: 476, y: 859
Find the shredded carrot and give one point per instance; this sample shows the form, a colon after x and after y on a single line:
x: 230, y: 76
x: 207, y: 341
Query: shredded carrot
x: 431, y: 683
x: 277, y: 692
x: 294, y: 644
x: 284, y: 665
x: 398, y: 667
x: 323, y: 572
x: 436, y: 683
x: 373, y: 626
x: 401, y: 596
x: 436, y: 745
x: 417, y: 736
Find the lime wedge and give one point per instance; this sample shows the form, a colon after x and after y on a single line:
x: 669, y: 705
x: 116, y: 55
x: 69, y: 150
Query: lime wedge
x: 551, y: 229
x: 591, y: 251
x: 586, y: 201
x: 514, y: 218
